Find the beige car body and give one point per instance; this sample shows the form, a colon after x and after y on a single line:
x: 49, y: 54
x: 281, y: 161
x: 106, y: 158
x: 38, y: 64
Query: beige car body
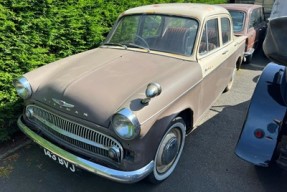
x: 87, y: 89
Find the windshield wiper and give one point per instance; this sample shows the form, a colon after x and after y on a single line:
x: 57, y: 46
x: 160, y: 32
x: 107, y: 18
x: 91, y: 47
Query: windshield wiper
x: 137, y: 46
x: 126, y: 45
x: 115, y: 44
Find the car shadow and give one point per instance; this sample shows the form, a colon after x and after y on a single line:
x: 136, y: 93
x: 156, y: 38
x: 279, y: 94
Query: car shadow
x: 201, y: 166
x: 214, y: 160
x: 258, y: 62
x: 208, y: 162
x: 273, y: 174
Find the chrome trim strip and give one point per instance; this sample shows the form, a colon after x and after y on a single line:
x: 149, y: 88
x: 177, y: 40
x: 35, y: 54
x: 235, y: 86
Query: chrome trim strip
x: 112, y: 174
x: 127, y: 113
x: 63, y: 103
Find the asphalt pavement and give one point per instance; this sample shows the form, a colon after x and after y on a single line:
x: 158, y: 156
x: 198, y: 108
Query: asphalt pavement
x: 208, y: 163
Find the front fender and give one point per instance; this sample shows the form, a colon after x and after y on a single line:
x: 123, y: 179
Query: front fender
x: 266, y: 112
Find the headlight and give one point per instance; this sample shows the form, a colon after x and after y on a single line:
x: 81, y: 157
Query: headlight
x: 23, y: 87
x: 126, y: 124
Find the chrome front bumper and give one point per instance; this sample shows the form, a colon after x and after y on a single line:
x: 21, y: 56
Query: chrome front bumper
x: 112, y: 174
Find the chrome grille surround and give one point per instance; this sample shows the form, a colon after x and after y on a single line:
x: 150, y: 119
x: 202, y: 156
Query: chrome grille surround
x: 73, y: 133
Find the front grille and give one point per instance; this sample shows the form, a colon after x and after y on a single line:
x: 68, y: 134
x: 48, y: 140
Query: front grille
x: 76, y: 135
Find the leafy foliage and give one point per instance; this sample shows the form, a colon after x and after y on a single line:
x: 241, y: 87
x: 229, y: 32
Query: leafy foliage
x: 37, y: 32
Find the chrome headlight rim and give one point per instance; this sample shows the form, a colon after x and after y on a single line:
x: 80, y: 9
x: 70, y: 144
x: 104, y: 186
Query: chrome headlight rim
x: 131, y: 118
x: 23, y: 87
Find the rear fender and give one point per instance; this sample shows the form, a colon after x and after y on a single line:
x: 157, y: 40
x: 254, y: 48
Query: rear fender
x: 266, y: 112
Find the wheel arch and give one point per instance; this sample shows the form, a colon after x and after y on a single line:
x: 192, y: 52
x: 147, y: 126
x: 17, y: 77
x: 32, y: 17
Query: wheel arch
x: 187, y: 116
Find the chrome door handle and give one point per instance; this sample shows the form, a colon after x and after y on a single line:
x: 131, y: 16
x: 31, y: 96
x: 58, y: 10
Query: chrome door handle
x: 225, y: 52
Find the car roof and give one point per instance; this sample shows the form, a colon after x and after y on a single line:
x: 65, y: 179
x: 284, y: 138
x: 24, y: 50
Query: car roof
x: 194, y: 10
x: 241, y: 7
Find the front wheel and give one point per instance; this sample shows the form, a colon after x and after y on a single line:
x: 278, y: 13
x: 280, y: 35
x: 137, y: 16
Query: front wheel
x: 169, y: 151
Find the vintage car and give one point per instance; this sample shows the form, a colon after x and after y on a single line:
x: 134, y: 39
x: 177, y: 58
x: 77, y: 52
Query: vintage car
x: 248, y: 20
x: 122, y: 110
x: 263, y: 140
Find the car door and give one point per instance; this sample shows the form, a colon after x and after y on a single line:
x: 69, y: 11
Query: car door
x: 251, y: 31
x: 262, y: 26
x: 228, y: 47
x: 211, y: 55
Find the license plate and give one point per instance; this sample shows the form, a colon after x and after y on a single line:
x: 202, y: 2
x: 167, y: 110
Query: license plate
x: 59, y: 160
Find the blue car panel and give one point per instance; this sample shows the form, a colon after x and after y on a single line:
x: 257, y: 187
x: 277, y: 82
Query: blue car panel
x: 261, y: 129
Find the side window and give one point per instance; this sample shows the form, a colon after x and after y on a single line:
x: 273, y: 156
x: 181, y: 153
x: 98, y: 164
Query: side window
x: 210, y: 37
x: 261, y: 15
x: 225, y: 30
x: 252, y: 19
x: 255, y: 18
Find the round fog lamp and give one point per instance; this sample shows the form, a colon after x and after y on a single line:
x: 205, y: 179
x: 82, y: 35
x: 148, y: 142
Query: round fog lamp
x: 114, y: 152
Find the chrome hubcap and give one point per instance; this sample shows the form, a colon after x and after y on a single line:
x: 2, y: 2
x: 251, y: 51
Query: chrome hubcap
x: 168, y: 150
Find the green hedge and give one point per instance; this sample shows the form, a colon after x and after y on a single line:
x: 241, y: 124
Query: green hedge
x: 37, y: 32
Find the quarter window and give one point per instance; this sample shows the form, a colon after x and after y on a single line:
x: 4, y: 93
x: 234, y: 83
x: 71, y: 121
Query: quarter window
x: 210, y: 37
x: 225, y: 30
x: 256, y: 18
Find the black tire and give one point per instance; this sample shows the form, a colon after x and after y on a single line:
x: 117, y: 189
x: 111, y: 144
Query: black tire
x: 169, y: 151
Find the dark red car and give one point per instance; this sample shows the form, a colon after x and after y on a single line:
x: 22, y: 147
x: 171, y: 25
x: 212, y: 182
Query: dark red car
x: 248, y: 20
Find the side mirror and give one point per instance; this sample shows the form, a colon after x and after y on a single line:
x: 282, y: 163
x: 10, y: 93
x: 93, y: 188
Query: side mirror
x: 152, y: 90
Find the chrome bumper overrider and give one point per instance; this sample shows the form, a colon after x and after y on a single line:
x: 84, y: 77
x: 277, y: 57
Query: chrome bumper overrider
x: 249, y: 52
x: 115, y: 175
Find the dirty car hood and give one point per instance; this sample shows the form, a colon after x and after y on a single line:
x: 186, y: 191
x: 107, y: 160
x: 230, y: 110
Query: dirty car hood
x: 94, y: 85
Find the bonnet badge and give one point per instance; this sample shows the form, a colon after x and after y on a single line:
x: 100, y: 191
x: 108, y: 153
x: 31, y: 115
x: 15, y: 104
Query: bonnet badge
x: 62, y: 103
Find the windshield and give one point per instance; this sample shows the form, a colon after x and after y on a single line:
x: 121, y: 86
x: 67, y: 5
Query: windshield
x: 155, y: 32
x: 238, y: 20
x: 279, y: 9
